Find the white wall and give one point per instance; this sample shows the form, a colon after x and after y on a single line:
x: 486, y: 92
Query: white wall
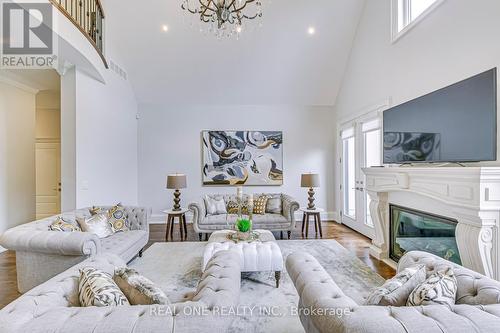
x: 106, y: 141
x: 68, y: 140
x: 456, y: 41
x: 170, y: 141
x: 98, y: 124
x: 48, y: 115
x: 17, y: 156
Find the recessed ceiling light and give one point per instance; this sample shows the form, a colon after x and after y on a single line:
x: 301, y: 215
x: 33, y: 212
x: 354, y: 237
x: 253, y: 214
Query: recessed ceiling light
x: 164, y: 28
x: 311, y: 30
x: 238, y: 29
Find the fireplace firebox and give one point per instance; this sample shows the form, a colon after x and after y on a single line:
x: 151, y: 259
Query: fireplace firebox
x: 415, y: 230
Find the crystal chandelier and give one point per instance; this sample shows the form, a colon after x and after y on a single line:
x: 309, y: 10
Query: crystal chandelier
x: 224, y: 17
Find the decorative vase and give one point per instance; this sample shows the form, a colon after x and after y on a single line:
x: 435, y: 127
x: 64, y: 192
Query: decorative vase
x: 243, y: 235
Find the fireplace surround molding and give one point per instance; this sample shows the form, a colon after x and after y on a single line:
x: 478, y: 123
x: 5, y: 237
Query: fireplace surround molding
x: 470, y: 195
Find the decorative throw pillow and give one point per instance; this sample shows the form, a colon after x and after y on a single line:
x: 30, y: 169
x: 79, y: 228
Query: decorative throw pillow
x: 97, y: 288
x: 396, y: 291
x: 95, y: 210
x: 64, y: 225
x: 439, y: 288
x: 233, y: 208
x: 117, y: 218
x: 273, y: 205
x: 97, y: 224
x: 139, y: 289
x: 259, y: 205
x: 215, y: 206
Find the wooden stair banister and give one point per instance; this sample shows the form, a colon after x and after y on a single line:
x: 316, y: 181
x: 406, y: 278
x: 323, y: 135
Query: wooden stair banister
x: 88, y: 17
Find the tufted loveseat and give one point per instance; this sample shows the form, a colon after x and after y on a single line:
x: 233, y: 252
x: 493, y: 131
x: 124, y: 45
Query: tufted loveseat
x: 54, y: 307
x: 325, y: 308
x: 41, y: 254
x: 207, y: 224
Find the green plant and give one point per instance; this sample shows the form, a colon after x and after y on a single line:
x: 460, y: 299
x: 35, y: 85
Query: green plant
x: 243, y: 225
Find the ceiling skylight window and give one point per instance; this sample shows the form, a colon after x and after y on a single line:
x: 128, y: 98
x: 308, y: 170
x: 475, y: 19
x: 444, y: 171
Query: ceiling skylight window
x: 407, y: 13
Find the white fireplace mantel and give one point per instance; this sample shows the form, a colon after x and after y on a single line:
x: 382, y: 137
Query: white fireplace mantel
x: 470, y: 195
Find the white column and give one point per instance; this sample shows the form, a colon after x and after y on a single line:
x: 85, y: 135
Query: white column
x: 379, y: 211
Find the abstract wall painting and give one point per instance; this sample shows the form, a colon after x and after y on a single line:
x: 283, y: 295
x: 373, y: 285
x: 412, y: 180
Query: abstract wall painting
x: 251, y: 158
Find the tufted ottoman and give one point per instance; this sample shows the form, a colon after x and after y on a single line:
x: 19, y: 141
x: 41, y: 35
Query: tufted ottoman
x: 255, y: 256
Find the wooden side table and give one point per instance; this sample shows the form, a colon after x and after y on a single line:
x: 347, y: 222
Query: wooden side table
x: 171, y: 215
x: 316, y: 214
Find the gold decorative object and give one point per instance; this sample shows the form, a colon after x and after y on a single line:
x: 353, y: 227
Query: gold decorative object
x: 176, y: 182
x: 311, y: 181
x: 249, y: 237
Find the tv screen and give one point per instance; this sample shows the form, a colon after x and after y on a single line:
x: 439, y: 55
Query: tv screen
x: 454, y: 124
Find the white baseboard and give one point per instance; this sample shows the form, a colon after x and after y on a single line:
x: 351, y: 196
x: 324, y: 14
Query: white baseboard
x: 160, y: 218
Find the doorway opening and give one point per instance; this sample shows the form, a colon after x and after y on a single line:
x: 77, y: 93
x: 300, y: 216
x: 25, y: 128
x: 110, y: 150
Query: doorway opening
x: 48, y: 151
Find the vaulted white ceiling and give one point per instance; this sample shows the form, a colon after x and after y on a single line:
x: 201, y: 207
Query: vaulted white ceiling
x: 278, y: 63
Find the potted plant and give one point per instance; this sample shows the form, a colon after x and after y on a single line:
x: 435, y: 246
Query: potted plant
x: 243, y: 229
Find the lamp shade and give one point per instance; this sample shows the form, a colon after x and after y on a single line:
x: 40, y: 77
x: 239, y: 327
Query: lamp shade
x: 309, y: 180
x: 176, y: 181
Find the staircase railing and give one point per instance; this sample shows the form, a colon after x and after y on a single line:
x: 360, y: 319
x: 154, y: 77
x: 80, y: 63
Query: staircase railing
x: 88, y: 17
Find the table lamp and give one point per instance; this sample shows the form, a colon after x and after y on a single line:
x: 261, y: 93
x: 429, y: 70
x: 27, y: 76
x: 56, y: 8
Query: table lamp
x: 311, y: 181
x: 176, y: 182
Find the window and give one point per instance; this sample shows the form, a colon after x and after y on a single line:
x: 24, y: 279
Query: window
x: 372, y: 136
x: 407, y: 13
x: 349, y: 171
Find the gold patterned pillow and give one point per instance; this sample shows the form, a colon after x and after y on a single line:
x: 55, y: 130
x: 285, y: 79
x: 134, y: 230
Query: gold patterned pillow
x: 232, y: 208
x: 117, y: 218
x: 95, y: 210
x: 259, y: 205
x: 63, y: 225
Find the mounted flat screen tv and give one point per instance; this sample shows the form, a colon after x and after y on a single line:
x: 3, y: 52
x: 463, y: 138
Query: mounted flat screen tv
x: 454, y: 124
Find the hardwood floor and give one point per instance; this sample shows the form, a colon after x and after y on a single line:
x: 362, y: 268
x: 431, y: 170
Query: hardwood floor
x: 351, y: 240
x: 8, y: 280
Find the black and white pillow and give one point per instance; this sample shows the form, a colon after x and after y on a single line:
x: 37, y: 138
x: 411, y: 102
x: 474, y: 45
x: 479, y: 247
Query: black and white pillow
x: 440, y: 288
x: 97, y: 288
x: 139, y: 289
x: 395, y: 291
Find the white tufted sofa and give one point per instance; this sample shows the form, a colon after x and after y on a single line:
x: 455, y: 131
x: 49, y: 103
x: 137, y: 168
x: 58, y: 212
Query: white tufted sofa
x: 54, y: 307
x: 477, y: 306
x: 207, y: 224
x: 41, y: 254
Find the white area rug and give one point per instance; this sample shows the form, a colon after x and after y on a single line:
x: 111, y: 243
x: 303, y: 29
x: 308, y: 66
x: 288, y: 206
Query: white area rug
x: 176, y: 268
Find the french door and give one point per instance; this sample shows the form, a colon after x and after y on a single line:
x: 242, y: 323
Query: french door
x: 361, y: 146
